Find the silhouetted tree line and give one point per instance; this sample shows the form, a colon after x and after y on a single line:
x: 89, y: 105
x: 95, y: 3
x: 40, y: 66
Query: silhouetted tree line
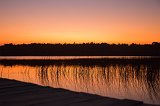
x: 85, y: 49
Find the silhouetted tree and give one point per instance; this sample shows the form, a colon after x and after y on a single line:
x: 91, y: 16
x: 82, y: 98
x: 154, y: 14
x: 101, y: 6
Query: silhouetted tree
x: 84, y: 49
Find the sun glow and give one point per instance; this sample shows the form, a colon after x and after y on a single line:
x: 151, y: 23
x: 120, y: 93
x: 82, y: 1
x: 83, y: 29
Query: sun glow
x: 79, y: 21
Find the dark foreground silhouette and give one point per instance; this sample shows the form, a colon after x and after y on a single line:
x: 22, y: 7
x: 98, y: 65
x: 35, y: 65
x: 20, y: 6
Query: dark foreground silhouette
x: 19, y: 93
x: 85, y: 49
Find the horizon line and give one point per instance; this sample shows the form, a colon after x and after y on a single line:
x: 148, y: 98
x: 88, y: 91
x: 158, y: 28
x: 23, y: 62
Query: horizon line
x: 80, y: 43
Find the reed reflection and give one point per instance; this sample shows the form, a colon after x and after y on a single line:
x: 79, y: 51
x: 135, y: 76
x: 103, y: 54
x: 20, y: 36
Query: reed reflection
x: 118, y: 80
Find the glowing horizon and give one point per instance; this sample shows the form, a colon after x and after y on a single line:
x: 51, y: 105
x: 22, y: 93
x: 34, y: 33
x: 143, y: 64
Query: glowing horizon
x: 69, y: 21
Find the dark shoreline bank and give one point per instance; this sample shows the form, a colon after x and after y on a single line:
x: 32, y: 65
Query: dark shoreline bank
x: 83, y: 62
x: 18, y: 93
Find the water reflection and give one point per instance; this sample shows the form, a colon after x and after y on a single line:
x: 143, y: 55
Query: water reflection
x: 138, y: 81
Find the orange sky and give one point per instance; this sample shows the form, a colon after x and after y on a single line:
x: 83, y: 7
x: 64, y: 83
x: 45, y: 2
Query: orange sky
x: 68, y: 21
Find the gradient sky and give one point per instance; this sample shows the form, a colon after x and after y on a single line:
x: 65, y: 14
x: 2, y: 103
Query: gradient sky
x: 68, y: 21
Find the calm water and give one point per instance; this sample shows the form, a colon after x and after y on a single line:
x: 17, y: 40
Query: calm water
x: 136, y: 78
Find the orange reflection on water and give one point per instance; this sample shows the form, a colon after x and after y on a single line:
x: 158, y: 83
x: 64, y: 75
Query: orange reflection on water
x: 114, y: 80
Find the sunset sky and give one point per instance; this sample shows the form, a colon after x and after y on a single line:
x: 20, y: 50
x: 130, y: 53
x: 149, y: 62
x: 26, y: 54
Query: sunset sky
x: 68, y: 21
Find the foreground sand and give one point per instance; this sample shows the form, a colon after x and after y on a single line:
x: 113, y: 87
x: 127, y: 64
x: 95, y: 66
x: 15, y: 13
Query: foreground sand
x: 16, y: 93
